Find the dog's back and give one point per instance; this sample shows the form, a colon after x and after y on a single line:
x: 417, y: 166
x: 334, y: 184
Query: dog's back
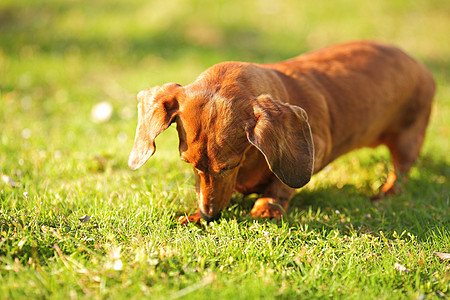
x: 366, y: 93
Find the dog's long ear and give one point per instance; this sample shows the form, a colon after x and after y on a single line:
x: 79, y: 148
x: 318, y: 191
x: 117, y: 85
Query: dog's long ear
x: 282, y: 133
x: 157, y: 109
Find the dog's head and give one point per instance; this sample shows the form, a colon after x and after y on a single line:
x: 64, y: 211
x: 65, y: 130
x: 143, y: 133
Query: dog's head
x: 216, y: 125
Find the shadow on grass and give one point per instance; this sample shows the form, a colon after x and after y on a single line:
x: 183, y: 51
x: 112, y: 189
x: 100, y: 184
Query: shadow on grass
x: 422, y: 209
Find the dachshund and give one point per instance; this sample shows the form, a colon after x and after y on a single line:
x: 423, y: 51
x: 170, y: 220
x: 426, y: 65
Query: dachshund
x: 267, y: 128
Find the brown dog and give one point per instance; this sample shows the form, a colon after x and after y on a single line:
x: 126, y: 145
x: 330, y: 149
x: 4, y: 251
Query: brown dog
x: 267, y: 128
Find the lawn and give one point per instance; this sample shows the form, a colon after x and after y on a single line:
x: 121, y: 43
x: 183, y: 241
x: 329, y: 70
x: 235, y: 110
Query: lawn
x: 75, y: 222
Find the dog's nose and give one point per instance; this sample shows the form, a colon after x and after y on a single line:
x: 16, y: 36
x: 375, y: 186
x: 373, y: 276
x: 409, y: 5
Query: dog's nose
x: 210, y: 218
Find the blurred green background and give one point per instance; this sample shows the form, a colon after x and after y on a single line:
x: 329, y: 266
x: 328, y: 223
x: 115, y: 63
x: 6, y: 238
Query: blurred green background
x: 59, y: 58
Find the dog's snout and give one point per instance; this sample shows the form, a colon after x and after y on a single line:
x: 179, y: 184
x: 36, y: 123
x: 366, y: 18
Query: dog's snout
x: 210, y: 217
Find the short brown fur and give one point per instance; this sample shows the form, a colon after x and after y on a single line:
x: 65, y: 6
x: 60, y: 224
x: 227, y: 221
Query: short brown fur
x: 266, y: 128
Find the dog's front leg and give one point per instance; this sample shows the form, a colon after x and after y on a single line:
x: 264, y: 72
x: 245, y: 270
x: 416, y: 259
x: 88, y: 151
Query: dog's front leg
x: 194, y: 218
x: 274, y: 201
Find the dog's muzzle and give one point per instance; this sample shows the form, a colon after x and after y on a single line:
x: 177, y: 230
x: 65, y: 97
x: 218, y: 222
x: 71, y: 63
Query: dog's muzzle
x: 210, y: 218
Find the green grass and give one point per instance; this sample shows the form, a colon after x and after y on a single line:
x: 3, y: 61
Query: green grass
x: 59, y: 58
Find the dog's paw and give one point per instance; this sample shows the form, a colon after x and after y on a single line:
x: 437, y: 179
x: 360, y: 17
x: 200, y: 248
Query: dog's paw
x: 195, y: 219
x: 266, y: 208
x: 391, y: 187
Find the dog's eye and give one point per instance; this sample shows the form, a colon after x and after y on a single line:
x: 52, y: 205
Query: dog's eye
x: 224, y: 169
x: 229, y: 168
